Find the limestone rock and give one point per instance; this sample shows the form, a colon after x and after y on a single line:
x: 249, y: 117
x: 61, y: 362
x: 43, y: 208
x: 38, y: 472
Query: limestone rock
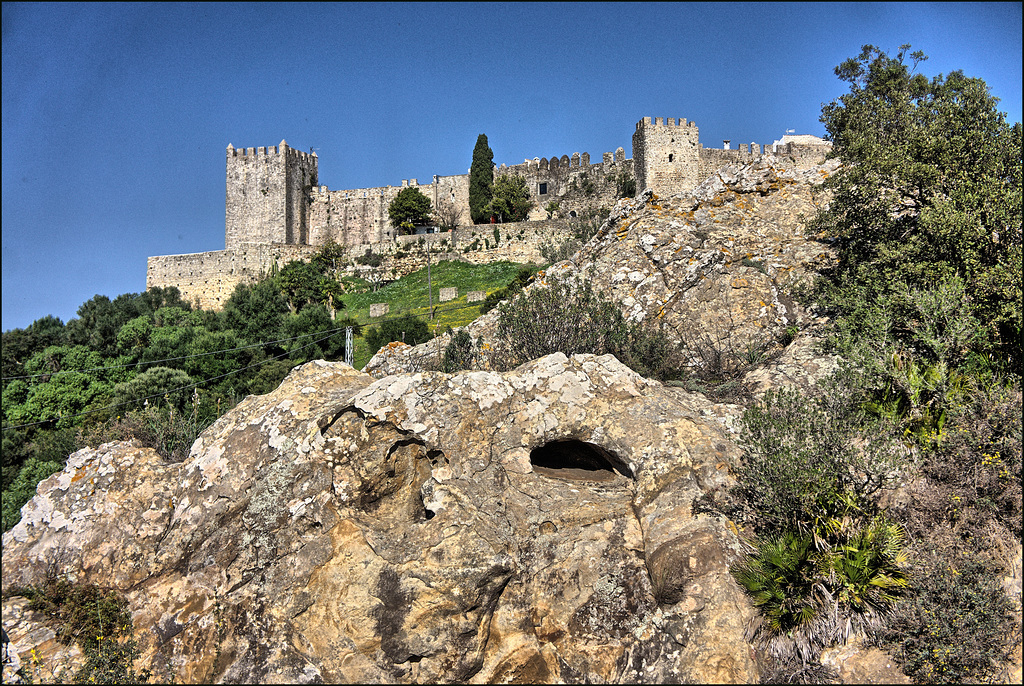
x: 534, y: 525
x: 721, y: 260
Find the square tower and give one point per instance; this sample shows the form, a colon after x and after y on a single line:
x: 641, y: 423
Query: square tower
x: 268, y: 195
x: 666, y: 155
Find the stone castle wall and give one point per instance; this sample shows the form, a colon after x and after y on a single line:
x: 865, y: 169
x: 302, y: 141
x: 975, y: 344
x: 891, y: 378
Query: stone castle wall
x: 208, y: 279
x: 266, y: 194
x: 275, y: 211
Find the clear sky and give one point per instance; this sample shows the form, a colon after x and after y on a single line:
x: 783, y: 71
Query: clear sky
x: 116, y: 117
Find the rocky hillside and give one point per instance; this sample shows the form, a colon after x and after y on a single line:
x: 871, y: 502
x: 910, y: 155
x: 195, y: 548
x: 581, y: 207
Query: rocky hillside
x: 536, y: 525
x: 532, y: 526
x: 719, y: 261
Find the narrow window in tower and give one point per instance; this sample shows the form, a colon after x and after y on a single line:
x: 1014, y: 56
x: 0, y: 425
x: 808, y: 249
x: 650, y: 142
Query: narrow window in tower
x: 670, y: 157
x: 543, y: 189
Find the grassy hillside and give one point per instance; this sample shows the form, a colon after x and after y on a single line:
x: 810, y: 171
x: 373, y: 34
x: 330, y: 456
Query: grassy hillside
x: 409, y: 295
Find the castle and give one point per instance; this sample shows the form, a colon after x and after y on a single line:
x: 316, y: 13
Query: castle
x: 276, y: 211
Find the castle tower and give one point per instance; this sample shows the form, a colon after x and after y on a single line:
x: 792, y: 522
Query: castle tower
x: 268, y: 195
x: 666, y: 155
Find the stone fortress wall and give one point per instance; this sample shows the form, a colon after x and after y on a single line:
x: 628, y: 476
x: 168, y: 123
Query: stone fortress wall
x: 276, y: 211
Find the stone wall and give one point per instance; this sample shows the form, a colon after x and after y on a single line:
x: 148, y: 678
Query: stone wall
x: 665, y: 155
x: 360, y: 216
x: 265, y: 198
x: 207, y: 279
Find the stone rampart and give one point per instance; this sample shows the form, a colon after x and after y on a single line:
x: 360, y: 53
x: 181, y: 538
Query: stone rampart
x: 276, y: 211
x: 265, y: 198
x: 207, y: 279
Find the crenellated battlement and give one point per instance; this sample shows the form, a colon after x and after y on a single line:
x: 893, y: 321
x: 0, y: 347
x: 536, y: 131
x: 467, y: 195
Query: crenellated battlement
x: 270, y: 150
x: 664, y: 121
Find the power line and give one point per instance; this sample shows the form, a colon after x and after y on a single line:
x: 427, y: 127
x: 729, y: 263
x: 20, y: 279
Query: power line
x: 174, y: 390
x: 330, y: 334
x: 168, y: 359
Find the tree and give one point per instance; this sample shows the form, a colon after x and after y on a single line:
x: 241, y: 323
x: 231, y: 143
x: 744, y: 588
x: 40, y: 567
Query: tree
x: 511, y: 198
x: 328, y: 260
x: 481, y: 181
x: 930, y: 192
x: 410, y: 207
x: 408, y: 329
x: 447, y: 214
x: 299, y: 284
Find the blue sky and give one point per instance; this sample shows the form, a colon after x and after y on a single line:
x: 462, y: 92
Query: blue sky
x: 116, y: 117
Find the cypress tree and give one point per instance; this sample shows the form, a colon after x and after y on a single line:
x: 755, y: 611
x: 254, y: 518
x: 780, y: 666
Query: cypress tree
x: 481, y: 180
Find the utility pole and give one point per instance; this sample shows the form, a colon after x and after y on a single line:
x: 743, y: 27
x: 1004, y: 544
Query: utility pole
x: 430, y: 288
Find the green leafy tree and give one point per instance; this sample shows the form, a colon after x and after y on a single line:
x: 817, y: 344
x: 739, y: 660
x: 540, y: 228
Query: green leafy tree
x: 134, y: 335
x: 330, y: 258
x: 407, y: 328
x: 930, y: 191
x: 299, y: 283
x: 410, y: 208
x: 256, y: 312
x: 511, y: 198
x: 162, y: 382
x: 481, y: 181
x: 20, y: 344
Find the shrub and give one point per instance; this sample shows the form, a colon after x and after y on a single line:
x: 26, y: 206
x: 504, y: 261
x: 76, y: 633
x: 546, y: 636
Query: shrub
x: 571, y: 317
x: 460, y: 353
x: 811, y: 594
x: 955, y: 626
x: 523, y: 276
x: 809, y: 464
x: 98, y: 620
x: 407, y: 328
x: 370, y: 258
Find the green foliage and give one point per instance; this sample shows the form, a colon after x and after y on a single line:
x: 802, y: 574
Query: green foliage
x: 782, y: 579
x: 256, y: 311
x: 810, y: 597
x: 407, y: 328
x: 812, y: 465
x: 930, y: 193
x: 551, y: 208
x: 166, y: 429
x: 157, y: 384
x: 956, y: 626
x: 510, y: 201
x: 409, y: 208
x: 370, y: 259
x: 98, y: 620
x: 571, y: 317
x: 522, y: 277
x: 460, y: 353
x: 481, y: 181
x: 298, y: 281
x: 330, y: 258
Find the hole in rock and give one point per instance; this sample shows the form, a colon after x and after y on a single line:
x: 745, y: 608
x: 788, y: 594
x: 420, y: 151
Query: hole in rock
x: 572, y: 459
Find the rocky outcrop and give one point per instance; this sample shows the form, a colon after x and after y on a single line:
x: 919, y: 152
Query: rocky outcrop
x: 721, y: 261
x: 531, y: 526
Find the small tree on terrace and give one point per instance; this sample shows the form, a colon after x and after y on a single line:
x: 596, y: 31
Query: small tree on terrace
x: 410, y: 206
x: 447, y: 214
x: 511, y: 201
